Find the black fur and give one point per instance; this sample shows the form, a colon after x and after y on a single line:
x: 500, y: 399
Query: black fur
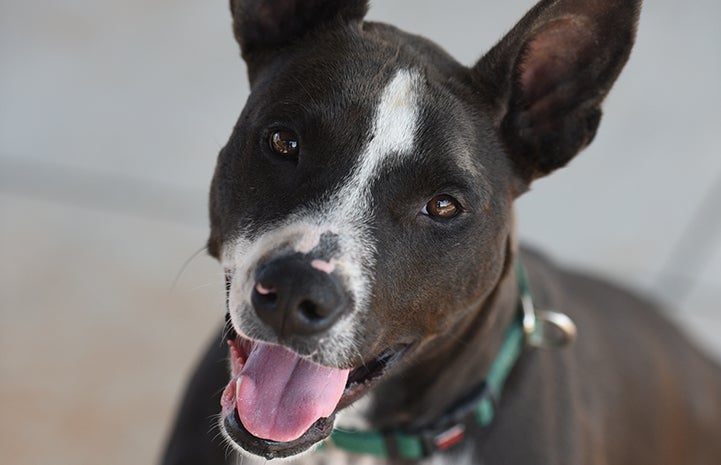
x: 261, y: 27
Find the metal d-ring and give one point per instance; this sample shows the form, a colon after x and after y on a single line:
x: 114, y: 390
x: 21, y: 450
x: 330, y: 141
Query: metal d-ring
x: 536, y: 325
x: 543, y: 328
x: 562, y: 329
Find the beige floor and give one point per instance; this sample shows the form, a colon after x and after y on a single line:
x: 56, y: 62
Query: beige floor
x: 110, y: 117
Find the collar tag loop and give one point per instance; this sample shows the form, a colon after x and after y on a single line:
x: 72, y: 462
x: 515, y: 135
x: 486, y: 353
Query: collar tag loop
x: 552, y: 329
x: 543, y: 328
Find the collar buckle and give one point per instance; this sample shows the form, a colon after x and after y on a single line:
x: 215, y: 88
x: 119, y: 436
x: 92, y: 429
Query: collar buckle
x: 443, y: 440
x: 451, y: 428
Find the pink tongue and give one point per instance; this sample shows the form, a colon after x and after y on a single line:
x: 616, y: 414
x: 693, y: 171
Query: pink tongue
x: 280, y: 395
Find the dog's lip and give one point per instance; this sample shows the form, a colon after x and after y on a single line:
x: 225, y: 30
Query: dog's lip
x: 368, y: 374
x: 320, y: 430
x: 360, y: 380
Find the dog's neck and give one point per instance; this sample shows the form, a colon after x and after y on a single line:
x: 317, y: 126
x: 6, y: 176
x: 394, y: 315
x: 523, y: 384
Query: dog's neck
x: 456, y: 362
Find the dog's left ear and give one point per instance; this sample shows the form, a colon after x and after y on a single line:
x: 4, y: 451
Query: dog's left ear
x: 261, y: 27
x: 547, y: 77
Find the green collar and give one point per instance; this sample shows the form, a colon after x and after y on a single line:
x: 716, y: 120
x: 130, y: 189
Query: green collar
x: 474, y: 411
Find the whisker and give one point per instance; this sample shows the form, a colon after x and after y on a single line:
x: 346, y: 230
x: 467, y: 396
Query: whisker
x: 203, y: 286
x: 360, y: 356
x: 185, y: 265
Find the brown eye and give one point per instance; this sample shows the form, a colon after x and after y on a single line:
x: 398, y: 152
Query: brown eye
x: 442, y: 206
x: 284, y: 142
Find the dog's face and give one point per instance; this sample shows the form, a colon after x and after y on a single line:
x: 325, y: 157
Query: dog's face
x: 362, y: 205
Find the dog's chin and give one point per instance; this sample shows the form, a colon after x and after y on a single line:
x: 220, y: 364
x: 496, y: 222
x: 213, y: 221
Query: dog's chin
x: 236, y: 432
x: 360, y: 380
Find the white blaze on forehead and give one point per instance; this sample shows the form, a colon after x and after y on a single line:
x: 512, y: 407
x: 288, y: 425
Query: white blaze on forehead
x: 394, y: 127
x: 393, y: 137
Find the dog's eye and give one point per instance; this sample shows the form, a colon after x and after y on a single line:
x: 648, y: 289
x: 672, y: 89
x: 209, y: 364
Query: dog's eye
x: 442, y: 206
x: 284, y: 142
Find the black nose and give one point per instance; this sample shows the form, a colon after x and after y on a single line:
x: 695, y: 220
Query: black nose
x: 294, y: 298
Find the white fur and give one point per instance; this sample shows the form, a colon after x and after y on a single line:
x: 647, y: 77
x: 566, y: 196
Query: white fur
x: 393, y: 139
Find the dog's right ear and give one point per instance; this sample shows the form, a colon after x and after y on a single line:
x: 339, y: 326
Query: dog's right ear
x: 547, y: 77
x: 263, y: 26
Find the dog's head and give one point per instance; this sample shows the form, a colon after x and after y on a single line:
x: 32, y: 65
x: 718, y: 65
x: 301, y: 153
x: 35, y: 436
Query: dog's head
x: 362, y: 205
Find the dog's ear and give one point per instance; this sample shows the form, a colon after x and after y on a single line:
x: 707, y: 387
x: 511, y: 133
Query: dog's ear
x: 262, y: 26
x: 547, y: 77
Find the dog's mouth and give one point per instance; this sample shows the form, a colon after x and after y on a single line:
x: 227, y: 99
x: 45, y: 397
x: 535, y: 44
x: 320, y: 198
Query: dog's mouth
x: 278, y: 403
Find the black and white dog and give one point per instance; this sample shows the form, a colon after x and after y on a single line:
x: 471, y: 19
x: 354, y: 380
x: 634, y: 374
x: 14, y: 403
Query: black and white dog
x: 362, y: 211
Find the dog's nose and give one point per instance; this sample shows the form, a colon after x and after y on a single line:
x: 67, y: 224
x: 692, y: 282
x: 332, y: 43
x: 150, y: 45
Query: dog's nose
x: 294, y: 298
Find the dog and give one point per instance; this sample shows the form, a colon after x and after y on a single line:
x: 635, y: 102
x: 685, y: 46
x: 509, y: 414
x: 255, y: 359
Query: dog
x: 380, y: 309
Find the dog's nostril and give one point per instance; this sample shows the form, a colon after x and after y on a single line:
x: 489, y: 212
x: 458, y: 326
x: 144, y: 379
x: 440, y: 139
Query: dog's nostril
x: 269, y: 298
x: 310, y: 310
x: 265, y: 294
